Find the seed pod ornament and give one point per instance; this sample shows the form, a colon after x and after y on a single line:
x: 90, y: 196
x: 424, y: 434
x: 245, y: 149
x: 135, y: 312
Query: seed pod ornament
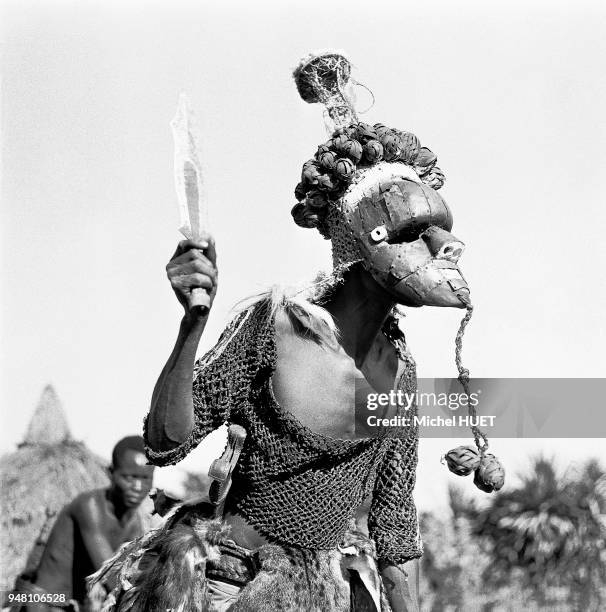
x: 435, y: 179
x: 304, y: 217
x: 316, y: 200
x: 490, y: 474
x: 425, y: 161
x: 366, y: 132
x: 392, y: 145
x: 310, y: 172
x: 373, y: 152
x: 327, y: 160
x: 381, y: 129
x: 323, y: 148
x: 351, y: 148
x: 351, y: 131
x: 310, y: 163
x: 301, y: 190
x: 410, y: 147
x: 338, y: 142
x: 462, y: 460
x: 345, y: 169
x: 327, y: 183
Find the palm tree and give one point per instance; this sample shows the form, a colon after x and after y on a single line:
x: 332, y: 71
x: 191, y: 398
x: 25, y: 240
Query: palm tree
x: 554, y: 528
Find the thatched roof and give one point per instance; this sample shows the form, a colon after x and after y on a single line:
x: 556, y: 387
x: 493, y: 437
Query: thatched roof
x: 48, y: 425
x: 47, y: 471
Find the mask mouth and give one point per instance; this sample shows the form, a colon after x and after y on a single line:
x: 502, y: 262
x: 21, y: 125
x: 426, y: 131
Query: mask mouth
x: 437, y: 283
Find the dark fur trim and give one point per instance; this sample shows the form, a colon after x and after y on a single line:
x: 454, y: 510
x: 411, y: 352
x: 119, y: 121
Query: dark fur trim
x: 166, y: 570
x: 292, y: 580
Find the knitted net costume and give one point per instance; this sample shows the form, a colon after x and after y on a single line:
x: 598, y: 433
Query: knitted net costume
x: 297, y: 487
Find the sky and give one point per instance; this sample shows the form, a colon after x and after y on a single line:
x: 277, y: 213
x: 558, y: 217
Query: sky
x: 510, y: 96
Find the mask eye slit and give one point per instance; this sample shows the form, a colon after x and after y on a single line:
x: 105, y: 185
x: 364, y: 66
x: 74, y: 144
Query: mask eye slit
x: 408, y: 234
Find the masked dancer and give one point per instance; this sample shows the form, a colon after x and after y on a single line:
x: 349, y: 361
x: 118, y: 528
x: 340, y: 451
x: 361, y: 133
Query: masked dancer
x: 316, y: 519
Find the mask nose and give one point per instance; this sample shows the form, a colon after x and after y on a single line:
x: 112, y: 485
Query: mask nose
x: 442, y: 244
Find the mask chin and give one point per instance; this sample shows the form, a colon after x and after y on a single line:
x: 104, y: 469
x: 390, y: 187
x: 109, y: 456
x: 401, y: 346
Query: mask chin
x: 435, y: 283
x: 442, y: 296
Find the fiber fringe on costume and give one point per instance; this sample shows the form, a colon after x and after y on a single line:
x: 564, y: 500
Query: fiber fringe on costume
x: 165, y: 570
x: 302, y: 305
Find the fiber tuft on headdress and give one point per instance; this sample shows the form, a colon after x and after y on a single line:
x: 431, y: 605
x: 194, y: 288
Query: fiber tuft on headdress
x: 324, y: 77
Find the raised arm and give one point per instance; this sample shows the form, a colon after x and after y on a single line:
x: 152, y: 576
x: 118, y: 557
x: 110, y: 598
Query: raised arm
x: 171, y: 416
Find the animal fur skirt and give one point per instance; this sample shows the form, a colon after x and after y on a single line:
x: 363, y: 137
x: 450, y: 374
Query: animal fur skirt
x: 173, y: 568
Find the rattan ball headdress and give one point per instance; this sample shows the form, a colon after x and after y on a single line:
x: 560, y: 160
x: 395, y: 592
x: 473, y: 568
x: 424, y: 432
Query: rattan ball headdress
x: 354, y: 147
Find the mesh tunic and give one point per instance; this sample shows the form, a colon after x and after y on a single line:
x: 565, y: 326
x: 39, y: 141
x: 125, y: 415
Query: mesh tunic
x: 295, y: 486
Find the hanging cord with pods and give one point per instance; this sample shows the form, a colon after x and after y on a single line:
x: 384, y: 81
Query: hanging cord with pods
x: 480, y: 438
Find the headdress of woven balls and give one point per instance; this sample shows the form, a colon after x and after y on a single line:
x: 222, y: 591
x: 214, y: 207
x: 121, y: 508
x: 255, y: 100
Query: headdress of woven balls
x: 354, y: 151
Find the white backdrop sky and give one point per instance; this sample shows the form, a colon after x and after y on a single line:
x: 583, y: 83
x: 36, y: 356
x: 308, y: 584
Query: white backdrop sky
x: 511, y: 97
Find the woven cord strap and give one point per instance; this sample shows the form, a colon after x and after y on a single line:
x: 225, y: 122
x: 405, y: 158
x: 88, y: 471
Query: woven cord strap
x: 480, y: 438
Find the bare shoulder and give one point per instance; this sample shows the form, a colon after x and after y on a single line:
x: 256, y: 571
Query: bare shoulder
x: 88, y: 506
x: 289, y: 330
x: 291, y: 349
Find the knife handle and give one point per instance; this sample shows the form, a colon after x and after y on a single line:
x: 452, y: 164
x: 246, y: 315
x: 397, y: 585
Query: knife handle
x: 199, y: 298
